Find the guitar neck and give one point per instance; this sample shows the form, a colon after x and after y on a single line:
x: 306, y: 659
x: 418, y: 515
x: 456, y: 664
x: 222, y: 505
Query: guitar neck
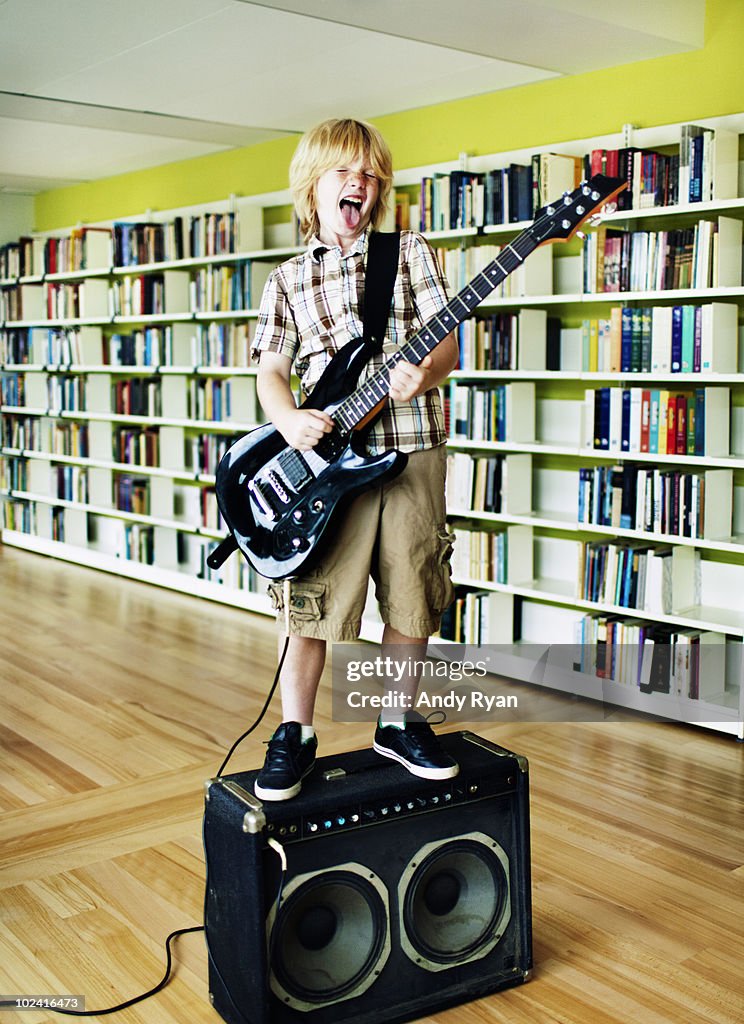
x: 368, y: 395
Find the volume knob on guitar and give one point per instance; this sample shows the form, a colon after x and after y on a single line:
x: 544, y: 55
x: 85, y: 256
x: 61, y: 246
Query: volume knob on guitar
x: 318, y: 505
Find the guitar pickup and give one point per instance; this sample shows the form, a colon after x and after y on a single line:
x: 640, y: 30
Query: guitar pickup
x: 294, y: 468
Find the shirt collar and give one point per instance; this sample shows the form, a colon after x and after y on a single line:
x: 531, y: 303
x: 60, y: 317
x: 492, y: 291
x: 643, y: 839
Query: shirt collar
x: 316, y: 248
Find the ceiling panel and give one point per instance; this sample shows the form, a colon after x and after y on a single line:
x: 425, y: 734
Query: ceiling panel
x: 569, y: 36
x: 82, y: 154
x: 40, y: 39
x: 212, y: 69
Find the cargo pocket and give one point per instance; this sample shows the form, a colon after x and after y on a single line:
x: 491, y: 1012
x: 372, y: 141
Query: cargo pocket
x: 443, y: 591
x: 306, y: 601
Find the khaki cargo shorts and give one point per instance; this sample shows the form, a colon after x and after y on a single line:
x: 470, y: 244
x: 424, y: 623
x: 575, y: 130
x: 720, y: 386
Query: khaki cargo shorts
x: 396, y: 534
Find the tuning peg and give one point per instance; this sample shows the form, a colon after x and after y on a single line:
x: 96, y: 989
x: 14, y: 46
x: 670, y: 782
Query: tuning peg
x: 609, y: 208
x: 581, y: 235
x: 595, y: 220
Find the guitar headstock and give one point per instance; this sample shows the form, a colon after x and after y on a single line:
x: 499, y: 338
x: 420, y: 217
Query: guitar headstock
x: 559, y: 220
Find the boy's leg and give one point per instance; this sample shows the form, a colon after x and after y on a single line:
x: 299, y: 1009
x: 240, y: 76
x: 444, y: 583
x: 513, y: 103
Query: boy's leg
x: 291, y: 753
x: 301, y: 672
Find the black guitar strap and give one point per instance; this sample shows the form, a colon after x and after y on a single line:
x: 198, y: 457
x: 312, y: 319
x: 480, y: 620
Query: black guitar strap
x: 382, y: 269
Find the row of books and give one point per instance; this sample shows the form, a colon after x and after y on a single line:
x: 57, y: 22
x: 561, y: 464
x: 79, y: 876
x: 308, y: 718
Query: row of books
x: 136, y: 447
x: 132, y: 494
x: 70, y: 483
x: 13, y: 389
x: 66, y: 392
x: 658, y: 421
x: 703, y: 167
x: 532, y: 277
x: 221, y: 288
x: 21, y: 516
x: 210, y: 512
x: 209, y: 234
x: 480, y: 555
x: 528, y: 340
x: 481, y: 617
x: 475, y: 483
x: 137, y: 543
x: 707, y: 255
x: 635, y: 497
x: 653, y: 657
x: 632, y: 575
x: 69, y: 439
x: 662, y: 339
x: 140, y: 396
x: 24, y: 432
x: 210, y: 399
x: 205, y: 451
x: 14, y: 474
x: 86, y: 248
x: 216, y: 343
x: 501, y: 412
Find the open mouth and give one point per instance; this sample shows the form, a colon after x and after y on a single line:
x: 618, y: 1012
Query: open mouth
x: 351, y: 210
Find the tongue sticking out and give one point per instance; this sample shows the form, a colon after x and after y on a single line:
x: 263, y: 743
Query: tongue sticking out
x: 351, y: 212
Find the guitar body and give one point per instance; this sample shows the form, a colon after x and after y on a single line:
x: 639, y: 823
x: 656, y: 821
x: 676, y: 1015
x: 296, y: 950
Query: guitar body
x: 282, y: 505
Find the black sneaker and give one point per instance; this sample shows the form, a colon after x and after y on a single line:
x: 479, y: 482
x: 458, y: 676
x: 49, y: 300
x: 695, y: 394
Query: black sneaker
x: 416, y: 748
x: 288, y: 761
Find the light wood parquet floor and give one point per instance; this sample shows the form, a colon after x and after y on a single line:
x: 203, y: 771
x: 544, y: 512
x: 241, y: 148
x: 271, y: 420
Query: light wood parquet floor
x: 119, y: 700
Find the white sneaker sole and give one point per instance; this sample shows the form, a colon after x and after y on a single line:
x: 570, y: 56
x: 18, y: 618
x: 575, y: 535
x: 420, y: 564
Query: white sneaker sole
x: 415, y: 769
x: 280, y: 794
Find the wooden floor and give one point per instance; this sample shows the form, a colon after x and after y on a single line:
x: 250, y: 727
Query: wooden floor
x: 119, y: 700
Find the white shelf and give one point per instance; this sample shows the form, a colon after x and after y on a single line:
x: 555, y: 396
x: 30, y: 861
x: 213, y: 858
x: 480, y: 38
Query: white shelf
x: 117, y: 467
x: 223, y: 426
x: 563, y: 521
x: 563, y: 592
x: 115, y: 513
x: 172, y: 580
x: 691, y: 379
x: 135, y: 370
x: 538, y: 448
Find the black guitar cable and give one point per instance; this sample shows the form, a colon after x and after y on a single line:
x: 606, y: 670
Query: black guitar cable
x: 9, y: 1004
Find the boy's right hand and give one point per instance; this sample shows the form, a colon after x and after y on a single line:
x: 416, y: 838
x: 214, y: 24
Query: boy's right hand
x: 303, y: 428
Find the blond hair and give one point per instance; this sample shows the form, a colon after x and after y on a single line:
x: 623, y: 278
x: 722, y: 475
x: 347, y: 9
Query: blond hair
x: 330, y: 144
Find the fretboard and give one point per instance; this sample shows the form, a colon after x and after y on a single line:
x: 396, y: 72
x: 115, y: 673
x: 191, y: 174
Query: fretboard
x: 376, y: 387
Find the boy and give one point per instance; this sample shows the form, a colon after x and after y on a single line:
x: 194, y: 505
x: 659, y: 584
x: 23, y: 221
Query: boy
x: 340, y: 178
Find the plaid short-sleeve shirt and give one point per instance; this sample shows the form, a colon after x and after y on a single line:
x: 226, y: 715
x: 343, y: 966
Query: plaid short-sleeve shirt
x: 311, y: 306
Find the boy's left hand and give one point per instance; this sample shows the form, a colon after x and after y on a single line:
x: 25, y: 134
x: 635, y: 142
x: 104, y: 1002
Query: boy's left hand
x: 407, y: 380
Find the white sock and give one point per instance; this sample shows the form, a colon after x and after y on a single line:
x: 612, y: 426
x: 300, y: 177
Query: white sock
x: 308, y: 731
x: 396, y: 719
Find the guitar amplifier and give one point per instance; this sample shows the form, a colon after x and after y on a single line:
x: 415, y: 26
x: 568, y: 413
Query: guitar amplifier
x: 400, y: 896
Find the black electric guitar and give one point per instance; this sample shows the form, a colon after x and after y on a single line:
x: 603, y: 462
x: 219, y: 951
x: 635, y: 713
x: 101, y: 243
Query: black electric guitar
x: 280, y: 504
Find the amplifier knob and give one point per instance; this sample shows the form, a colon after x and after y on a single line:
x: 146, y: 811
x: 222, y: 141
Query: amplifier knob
x: 341, y: 821
x: 312, y: 826
x: 397, y: 808
x: 384, y: 811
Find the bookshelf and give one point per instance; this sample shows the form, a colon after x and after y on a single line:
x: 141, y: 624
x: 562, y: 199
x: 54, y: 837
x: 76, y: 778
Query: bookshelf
x: 124, y: 380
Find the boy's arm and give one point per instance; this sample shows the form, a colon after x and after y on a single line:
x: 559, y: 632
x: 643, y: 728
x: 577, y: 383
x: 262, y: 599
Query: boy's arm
x: 300, y: 428
x: 407, y: 380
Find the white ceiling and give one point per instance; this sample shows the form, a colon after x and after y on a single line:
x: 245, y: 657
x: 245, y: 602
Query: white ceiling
x: 92, y: 88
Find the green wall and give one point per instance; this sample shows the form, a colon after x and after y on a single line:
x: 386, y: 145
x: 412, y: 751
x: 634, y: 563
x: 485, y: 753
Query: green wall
x: 702, y: 83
